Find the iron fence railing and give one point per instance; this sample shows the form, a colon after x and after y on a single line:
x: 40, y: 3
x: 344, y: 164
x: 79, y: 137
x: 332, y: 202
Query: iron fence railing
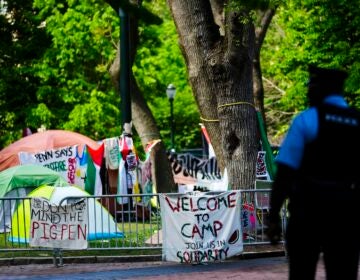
x: 126, y: 222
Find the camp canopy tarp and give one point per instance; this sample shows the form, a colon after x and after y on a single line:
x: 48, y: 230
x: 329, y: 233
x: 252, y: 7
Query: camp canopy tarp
x: 101, y: 224
x: 42, y: 141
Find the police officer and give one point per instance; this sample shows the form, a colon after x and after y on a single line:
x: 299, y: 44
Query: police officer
x: 318, y: 174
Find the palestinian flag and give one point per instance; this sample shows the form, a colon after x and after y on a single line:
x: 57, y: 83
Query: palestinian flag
x: 93, y: 184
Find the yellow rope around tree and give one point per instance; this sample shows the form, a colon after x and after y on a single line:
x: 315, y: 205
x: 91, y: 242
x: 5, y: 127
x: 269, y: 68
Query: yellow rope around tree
x: 229, y: 104
x: 207, y: 120
x: 237, y: 103
x: 269, y: 158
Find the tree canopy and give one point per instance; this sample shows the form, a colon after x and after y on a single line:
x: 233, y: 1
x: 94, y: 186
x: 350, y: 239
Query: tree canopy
x: 72, y: 88
x: 22, y: 43
x: 303, y: 33
x: 55, y: 58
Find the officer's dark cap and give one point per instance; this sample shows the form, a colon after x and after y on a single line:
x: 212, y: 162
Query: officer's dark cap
x: 327, y: 77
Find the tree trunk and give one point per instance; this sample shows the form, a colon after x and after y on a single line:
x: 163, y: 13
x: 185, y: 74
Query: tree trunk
x: 220, y: 73
x: 145, y: 125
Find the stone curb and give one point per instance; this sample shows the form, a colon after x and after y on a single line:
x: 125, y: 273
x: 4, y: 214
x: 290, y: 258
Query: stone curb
x: 121, y: 259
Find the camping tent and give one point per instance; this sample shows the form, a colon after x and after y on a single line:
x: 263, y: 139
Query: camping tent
x: 101, y: 224
x: 42, y: 141
x: 28, y: 176
x: 18, y: 181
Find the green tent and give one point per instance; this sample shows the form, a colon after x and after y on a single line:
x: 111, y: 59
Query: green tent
x: 20, y: 180
x: 28, y: 176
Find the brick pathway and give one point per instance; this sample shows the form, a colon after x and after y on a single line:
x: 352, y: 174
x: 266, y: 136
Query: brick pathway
x: 249, y: 269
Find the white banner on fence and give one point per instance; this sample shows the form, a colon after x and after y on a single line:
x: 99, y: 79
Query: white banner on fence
x: 200, y: 227
x: 55, y: 226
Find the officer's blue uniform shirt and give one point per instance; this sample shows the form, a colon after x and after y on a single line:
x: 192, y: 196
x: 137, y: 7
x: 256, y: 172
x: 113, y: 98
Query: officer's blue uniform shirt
x: 303, y: 129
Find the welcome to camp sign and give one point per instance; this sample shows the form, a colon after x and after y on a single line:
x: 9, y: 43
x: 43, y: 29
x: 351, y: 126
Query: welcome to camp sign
x: 200, y: 228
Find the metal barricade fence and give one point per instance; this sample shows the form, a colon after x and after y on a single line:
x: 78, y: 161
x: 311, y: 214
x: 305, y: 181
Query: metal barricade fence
x: 125, y: 222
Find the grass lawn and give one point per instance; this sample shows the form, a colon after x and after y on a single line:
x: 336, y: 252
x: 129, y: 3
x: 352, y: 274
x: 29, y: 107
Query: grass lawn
x: 133, y: 244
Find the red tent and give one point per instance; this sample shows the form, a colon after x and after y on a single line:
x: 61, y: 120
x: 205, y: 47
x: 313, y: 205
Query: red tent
x: 41, y: 141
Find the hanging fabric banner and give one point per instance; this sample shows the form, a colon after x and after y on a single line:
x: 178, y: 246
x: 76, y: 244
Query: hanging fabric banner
x: 112, y: 155
x: 128, y: 182
x: 201, y: 228
x: 93, y: 184
x: 261, y: 168
x: 81, y: 166
x: 62, y: 160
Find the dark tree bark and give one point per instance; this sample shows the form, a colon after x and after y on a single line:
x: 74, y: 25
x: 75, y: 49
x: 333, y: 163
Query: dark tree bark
x: 219, y: 60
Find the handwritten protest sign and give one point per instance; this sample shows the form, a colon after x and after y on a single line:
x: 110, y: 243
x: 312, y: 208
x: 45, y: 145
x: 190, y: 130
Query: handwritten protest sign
x: 200, y: 227
x: 57, y: 226
x: 62, y: 160
x: 261, y: 169
x: 189, y: 170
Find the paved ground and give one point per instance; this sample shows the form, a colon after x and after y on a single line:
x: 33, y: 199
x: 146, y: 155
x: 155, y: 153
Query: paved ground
x: 248, y: 269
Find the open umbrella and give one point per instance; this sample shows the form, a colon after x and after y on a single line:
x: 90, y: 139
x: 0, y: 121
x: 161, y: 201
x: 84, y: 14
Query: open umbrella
x: 42, y: 141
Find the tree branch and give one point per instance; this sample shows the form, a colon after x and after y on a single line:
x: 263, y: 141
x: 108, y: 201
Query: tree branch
x: 261, y: 29
x: 217, y: 7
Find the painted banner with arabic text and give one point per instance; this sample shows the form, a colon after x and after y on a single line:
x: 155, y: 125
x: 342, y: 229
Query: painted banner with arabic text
x: 198, y: 227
